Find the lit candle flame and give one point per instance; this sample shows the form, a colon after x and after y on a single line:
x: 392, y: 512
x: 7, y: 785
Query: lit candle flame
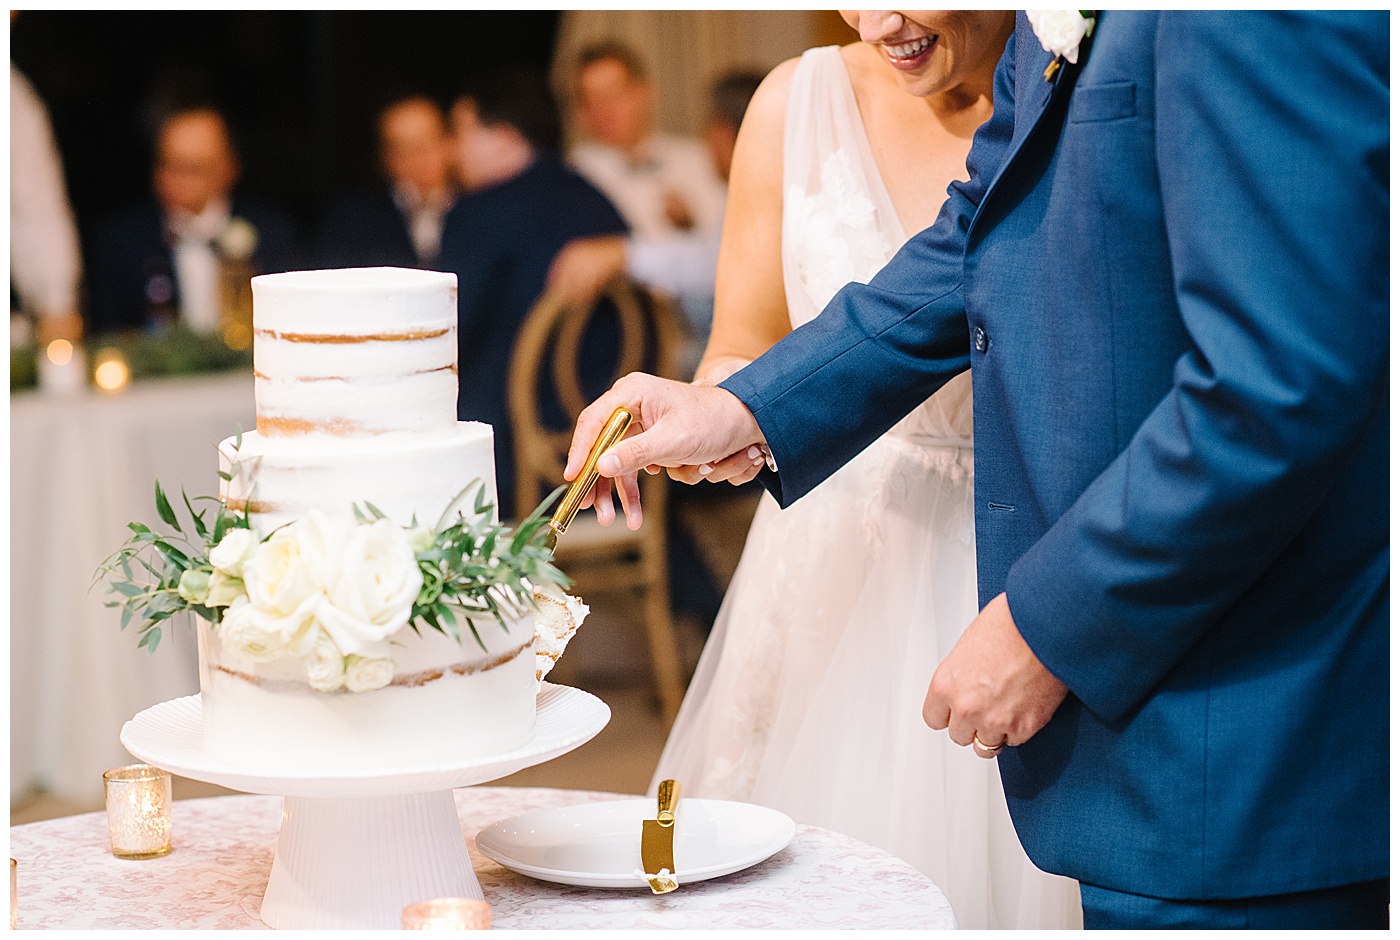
x: 60, y: 352
x: 112, y: 374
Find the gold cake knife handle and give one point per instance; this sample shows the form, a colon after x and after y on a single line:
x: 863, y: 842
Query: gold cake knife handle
x: 667, y: 796
x: 612, y: 432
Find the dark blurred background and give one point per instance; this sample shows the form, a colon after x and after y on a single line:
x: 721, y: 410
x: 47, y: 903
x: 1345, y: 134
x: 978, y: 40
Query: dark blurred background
x: 300, y: 88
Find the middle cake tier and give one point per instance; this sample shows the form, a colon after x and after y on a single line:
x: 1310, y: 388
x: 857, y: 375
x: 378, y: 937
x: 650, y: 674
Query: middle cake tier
x: 405, y: 475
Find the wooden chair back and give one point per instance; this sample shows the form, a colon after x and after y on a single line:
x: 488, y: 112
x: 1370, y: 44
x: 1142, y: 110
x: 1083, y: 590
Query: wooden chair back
x: 550, y: 339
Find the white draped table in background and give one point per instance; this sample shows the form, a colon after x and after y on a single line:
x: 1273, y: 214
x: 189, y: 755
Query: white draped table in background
x: 223, y: 850
x: 81, y: 468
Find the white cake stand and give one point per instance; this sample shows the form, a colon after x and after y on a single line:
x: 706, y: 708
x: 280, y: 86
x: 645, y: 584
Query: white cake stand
x: 356, y: 848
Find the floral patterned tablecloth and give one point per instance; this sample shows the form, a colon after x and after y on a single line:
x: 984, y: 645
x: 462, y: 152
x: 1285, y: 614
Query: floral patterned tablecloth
x: 216, y: 874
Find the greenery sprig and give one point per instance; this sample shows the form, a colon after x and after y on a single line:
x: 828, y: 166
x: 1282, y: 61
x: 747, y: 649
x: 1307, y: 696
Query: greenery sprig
x: 473, y: 566
x: 167, y: 559
x: 477, y: 567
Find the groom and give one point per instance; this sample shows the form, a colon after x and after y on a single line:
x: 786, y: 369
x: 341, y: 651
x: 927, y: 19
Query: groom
x: 1169, y: 273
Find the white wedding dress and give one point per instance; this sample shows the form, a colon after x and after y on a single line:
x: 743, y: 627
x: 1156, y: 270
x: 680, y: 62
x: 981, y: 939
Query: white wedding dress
x: 809, y: 693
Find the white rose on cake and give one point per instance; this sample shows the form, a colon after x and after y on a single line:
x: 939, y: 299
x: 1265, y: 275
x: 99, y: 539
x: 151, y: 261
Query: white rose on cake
x: 234, y: 550
x: 223, y: 590
x: 367, y: 674
x: 373, y: 581
x: 325, y: 664
x: 285, y: 578
x: 240, y: 631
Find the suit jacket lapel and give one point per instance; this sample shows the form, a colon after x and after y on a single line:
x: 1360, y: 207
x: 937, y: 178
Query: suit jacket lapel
x: 1040, y: 94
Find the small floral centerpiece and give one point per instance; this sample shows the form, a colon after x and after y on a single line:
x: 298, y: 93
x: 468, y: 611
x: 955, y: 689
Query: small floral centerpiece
x: 330, y: 592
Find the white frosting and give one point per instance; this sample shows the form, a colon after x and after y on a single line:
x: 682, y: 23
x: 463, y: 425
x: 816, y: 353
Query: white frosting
x: 347, y: 423
x: 356, y: 351
x: 404, y: 475
x: 255, y: 715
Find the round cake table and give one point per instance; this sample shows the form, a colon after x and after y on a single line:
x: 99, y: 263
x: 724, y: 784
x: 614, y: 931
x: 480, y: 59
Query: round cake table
x: 216, y: 874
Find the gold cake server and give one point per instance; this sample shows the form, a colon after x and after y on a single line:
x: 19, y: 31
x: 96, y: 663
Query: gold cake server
x: 658, y: 839
x: 612, y: 432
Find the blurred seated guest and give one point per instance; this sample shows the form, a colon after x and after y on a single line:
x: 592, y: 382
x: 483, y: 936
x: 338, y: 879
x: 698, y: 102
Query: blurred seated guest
x: 520, y: 207
x: 681, y: 264
x: 398, y: 223
x: 175, y: 256
x: 44, y: 261
x: 661, y: 183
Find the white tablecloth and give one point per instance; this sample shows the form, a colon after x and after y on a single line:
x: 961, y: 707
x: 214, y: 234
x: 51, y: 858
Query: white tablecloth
x: 81, y: 468
x: 223, y: 851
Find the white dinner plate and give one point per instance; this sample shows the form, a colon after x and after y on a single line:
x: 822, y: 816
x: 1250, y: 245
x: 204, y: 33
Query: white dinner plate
x: 599, y: 845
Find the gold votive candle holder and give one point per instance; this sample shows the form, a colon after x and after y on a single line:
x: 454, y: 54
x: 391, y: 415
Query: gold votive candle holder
x: 138, y: 811
x: 14, y: 894
x: 448, y: 914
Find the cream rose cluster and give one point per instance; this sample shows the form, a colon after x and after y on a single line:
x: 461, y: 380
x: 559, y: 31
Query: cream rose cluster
x: 321, y: 590
x: 1060, y: 31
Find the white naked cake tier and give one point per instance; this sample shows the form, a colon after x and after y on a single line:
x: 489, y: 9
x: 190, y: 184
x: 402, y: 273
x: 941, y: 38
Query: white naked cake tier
x: 356, y: 379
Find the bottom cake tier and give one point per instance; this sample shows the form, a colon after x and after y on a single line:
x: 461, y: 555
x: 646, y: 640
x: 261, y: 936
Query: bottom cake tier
x: 446, y: 703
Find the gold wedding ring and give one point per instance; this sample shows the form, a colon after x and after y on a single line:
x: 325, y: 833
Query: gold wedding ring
x: 991, y: 751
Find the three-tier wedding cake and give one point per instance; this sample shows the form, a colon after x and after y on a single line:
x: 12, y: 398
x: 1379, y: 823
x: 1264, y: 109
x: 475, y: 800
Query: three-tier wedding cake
x: 356, y: 392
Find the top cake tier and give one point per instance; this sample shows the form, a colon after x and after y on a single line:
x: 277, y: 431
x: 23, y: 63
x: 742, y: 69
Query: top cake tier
x: 355, y: 352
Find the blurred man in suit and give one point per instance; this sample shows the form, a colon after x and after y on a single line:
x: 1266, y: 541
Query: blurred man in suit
x: 520, y: 207
x: 399, y: 222
x: 163, y: 259
x: 661, y: 183
x: 680, y: 264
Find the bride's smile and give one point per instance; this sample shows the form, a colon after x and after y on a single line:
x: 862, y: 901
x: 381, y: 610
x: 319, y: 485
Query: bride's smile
x: 912, y: 55
x: 932, y: 50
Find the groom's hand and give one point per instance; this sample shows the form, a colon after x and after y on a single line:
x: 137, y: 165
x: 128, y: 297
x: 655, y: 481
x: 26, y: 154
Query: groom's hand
x: 992, y: 685
x: 675, y: 425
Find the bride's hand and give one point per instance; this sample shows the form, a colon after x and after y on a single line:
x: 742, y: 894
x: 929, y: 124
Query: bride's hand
x: 736, y: 469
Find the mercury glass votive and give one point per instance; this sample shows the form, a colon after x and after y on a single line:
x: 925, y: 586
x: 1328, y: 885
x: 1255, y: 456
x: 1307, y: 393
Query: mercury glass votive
x: 448, y: 914
x: 138, y: 811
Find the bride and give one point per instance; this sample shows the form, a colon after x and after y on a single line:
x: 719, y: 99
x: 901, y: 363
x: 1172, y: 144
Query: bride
x: 808, y: 696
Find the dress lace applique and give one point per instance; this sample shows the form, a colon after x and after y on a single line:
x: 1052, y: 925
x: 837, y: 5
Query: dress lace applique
x: 839, y: 241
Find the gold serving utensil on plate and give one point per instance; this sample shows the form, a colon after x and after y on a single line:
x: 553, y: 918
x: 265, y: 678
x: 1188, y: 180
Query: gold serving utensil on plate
x: 612, y: 432
x: 658, y: 840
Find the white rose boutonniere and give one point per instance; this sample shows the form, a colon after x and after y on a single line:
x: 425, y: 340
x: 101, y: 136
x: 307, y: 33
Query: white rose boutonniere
x: 238, y: 240
x: 366, y: 675
x: 373, y: 582
x: 1060, y: 33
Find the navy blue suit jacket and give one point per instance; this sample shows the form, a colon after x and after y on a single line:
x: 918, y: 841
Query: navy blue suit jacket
x: 132, y: 283
x: 500, y: 242
x: 1169, y: 272
x: 365, y: 230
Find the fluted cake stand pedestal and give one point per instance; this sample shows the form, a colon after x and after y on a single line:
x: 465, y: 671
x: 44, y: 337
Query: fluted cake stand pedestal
x: 354, y: 849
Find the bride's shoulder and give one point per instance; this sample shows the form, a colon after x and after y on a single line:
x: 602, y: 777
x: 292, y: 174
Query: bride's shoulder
x: 770, y: 100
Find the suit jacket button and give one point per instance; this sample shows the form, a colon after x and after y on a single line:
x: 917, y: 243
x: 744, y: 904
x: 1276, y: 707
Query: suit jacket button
x: 979, y: 340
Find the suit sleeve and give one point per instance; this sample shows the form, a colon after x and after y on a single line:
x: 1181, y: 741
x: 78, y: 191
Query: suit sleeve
x: 832, y: 386
x: 1276, y: 199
